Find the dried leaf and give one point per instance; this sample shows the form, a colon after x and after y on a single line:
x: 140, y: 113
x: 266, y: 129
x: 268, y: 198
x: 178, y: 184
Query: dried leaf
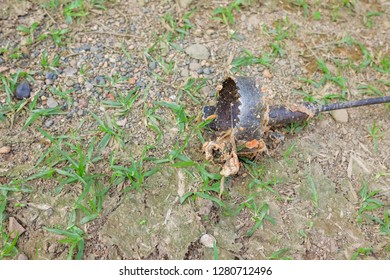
x: 231, y: 166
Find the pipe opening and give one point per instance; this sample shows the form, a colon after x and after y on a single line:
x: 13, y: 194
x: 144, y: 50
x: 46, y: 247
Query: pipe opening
x: 228, y: 105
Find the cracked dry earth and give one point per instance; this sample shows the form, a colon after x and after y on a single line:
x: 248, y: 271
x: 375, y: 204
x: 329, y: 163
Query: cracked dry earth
x: 126, y: 46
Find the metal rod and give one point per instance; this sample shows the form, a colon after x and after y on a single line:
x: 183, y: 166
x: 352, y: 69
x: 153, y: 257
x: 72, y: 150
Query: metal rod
x: 351, y: 104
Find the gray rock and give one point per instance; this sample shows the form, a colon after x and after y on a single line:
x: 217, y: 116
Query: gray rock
x: 80, y: 112
x: 100, y: 80
x: 198, y: 51
x: 49, y: 123
x: 51, y: 102
x: 86, y: 47
x: 194, y: 66
x: 23, y: 90
x: 1, y: 60
x: 152, y: 65
x: 51, y: 76
x: 340, y: 116
x: 70, y: 71
x: 184, y: 72
x: 207, y: 71
x: 140, y: 84
x: 88, y: 86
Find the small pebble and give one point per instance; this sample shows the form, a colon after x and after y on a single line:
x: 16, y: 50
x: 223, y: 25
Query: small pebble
x: 207, y: 71
x: 198, y: 51
x: 100, y: 80
x: 207, y: 240
x: 340, y: 116
x: 88, y: 86
x: 14, y: 227
x: 152, y: 65
x: 49, y: 123
x: 140, y: 84
x: 267, y: 74
x: 51, y: 76
x: 70, y: 71
x: 23, y: 90
x: 184, y: 72
x: 22, y: 257
x: 51, y: 102
x: 69, y: 83
x: 5, y: 150
x: 194, y: 66
x: 80, y: 112
x: 86, y: 47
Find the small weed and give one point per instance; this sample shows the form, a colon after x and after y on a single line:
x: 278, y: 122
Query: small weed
x: 38, y: 113
x: 376, y: 134
x: 225, y: 14
x: 361, y: 252
x: 302, y: 4
x: 369, y: 90
x: 123, y: 102
x: 296, y: 127
x: 7, y: 244
x: 178, y: 110
x: 74, y: 236
x: 29, y: 31
x: 46, y: 64
x: 280, y: 255
x: 307, y: 96
x: 288, y: 153
x: 215, y: 250
x: 249, y: 59
x: 177, y: 26
x: 153, y: 121
x: 314, y: 191
x: 367, y: 203
x: 256, y: 172
x: 51, y: 4
x: 260, y: 213
x: 192, y: 88
x: 210, y: 182
x: 135, y: 174
x: 9, y: 85
x: 75, y: 9
x: 317, y: 15
x: 58, y: 36
x: 368, y: 19
x: 63, y: 94
x: 384, y: 65
x: 112, y: 134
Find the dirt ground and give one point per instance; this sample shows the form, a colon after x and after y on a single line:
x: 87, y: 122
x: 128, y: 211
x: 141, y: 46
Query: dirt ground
x: 107, y: 150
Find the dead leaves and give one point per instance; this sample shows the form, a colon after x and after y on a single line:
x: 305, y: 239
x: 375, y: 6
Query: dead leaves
x: 224, y: 151
x: 231, y: 166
